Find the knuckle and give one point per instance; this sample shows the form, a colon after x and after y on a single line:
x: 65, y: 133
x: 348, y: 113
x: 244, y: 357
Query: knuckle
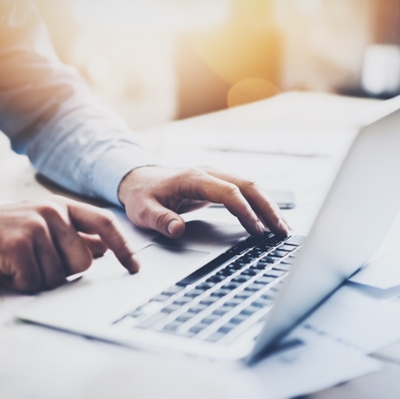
x: 207, y: 169
x: 108, y: 219
x: 252, y: 185
x: 193, y: 172
x: 49, y: 210
x: 232, y: 190
x: 37, y: 227
x: 18, y: 243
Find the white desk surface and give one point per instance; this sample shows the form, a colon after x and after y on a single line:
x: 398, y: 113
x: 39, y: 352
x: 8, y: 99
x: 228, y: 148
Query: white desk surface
x: 41, y: 363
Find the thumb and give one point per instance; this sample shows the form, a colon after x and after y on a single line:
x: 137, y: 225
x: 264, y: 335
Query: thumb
x: 155, y: 216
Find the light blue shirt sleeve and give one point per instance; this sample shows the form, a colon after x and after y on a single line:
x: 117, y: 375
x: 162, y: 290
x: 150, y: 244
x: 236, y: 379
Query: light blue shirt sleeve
x: 50, y: 115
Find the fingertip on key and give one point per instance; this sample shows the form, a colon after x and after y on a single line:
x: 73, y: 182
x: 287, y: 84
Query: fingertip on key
x: 135, y: 264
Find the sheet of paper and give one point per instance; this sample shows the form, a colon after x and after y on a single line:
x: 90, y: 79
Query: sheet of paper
x: 319, y: 364
x: 383, y: 271
x: 353, y: 318
x: 40, y: 363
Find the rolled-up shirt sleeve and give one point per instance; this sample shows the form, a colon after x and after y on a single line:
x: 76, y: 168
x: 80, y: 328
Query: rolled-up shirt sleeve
x: 49, y: 114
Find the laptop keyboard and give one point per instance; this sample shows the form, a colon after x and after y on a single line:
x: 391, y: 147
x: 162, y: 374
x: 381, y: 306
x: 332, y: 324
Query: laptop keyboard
x: 224, y: 298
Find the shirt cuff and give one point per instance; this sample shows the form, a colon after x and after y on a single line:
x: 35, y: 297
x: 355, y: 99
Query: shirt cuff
x: 114, y: 165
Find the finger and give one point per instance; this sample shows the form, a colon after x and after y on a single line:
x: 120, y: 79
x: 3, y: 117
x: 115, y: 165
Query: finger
x: 95, y: 244
x: 210, y: 188
x: 91, y: 220
x: 153, y: 215
x: 26, y: 276
x: 262, y: 204
x: 48, y: 259
x: 72, y: 249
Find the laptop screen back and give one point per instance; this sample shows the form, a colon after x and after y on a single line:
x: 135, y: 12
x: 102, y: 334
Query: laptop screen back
x: 352, y: 224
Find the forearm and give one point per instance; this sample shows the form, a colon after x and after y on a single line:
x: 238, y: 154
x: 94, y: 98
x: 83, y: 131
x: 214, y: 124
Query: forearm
x: 50, y: 115
x: 86, y: 148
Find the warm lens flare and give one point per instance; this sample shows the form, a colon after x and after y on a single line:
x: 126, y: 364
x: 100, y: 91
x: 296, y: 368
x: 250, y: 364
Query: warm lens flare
x: 249, y: 90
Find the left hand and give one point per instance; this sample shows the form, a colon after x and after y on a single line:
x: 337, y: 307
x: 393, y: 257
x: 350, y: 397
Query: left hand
x: 154, y: 195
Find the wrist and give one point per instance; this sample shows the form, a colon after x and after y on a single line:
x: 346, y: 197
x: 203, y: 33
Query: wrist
x: 128, y: 182
x: 123, y: 187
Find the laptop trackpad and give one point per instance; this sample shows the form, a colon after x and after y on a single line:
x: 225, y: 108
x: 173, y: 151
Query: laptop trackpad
x: 162, y: 259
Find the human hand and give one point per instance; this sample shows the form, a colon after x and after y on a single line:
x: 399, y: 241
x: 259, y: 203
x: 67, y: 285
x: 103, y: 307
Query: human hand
x: 41, y: 243
x: 153, y: 196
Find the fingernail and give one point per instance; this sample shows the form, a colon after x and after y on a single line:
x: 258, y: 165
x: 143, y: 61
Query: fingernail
x: 172, y: 226
x: 260, y: 227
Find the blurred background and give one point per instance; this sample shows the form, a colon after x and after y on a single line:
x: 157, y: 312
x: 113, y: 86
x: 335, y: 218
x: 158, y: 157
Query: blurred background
x: 155, y: 61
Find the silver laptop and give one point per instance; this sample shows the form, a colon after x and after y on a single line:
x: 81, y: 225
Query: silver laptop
x: 221, y: 294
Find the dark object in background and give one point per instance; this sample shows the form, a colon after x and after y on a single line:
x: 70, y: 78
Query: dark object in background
x: 284, y: 198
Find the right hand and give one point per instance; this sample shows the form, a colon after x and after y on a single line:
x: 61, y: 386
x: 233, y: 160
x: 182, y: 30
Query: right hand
x: 41, y: 243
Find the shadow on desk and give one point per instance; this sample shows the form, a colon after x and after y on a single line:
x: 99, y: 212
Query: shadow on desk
x: 59, y: 190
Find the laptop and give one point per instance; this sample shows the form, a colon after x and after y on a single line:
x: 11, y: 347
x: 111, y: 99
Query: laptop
x: 224, y: 295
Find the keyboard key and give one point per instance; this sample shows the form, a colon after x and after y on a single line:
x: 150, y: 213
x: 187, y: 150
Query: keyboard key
x: 221, y: 292
x: 194, y: 293
x: 198, y: 308
x: 226, y: 328
x: 215, y: 337
x: 248, y: 258
x: 249, y: 272
x: 151, y: 307
x: 265, y: 280
x: 209, y: 300
x: 198, y: 327
x: 205, y: 286
x: 295, y: 241
x: 182, y: 300
x: 136, y: 313
x: 278, y: 254
x: 255, y: 287
x: 185, y: 316
x: 237, y: 265
x: 222, y: 310
x: 260, y: 302
x: 240, y: 318
x: 249, y: 310
x: 234, y: 302
x: 276, y: 288
x: 173, y: 326
x: 152, y: 320
x: 275, y: 239
x: 271, y: 259
x: 172, y: 290
x: 232, y: 285
x: 269, y: 296
x: 259, y: 266
x: 215, y: 279
x: 244, y: 294
x: 274, y: 273
x: 286, y: 248
x: 170, y: 308
x: 210, y: 319
x: 265, y: 247
x: 225, y: 272
x: 241, y: 279
x: 283, y: 266
x: 160, y: 298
